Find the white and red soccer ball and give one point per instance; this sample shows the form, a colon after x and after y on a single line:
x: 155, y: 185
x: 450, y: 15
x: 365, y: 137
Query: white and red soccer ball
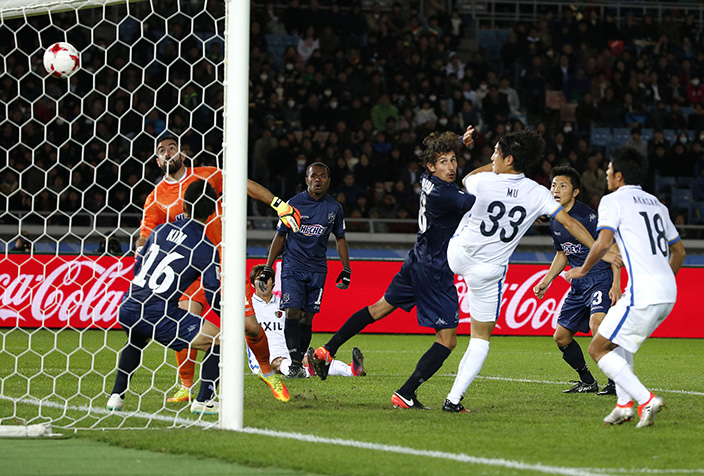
x: 61, y: 60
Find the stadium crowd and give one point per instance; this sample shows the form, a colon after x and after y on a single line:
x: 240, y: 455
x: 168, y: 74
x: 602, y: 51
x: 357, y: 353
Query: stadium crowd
x: 357, y: 89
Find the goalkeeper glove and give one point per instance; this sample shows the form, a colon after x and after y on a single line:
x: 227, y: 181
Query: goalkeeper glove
x: 343, y: 280
x: 289, y: 215
x: 264, y: 277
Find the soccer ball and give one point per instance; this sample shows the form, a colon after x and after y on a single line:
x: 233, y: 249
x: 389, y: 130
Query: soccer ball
x: 61, y: 60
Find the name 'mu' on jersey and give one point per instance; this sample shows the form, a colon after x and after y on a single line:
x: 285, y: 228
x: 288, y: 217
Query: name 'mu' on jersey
x: 644, y: 233
x: 506, y: 207
x: 442, y: 206
x: 175, y: 255
x: 575, y: 251
x: 307, y: 249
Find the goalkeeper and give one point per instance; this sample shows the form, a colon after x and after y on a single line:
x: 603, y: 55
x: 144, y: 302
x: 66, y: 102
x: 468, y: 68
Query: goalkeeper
x: 165, y: 204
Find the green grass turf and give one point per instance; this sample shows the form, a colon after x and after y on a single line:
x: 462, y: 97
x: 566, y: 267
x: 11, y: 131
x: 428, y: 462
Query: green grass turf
x: 518, y: 413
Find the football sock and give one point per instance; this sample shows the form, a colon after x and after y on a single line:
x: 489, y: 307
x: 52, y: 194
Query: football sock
x: 209, y: 374
x: 340, y: 369
x: 186, y: 363
x: 260, y: 348
x: 356, y: 322
x: 622, y: 397
x: 573, y: 355
x: 292, y: 332
x: 306, y: 337
x: 617, y: 368
x: 129, y: 361
x: 428, y: 364
x: 470, y: 365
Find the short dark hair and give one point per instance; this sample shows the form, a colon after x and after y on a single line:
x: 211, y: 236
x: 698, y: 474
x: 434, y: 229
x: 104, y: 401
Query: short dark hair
x: 526, y: 147
x: 168, y: 136
x: 255, y: 272
x: 319, y: 164
x: 437, y: 144
x: 631, y: 164
x: 570, y: 173
x: 199, y: 200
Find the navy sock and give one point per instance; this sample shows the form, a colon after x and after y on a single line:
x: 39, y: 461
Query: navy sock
x: 356, y: 322
x: 572, y: 354
x: 306, y: 337
x: 129, y: 361
x: 293, y: 334
x: 428, y: 364
x: 209, y: 374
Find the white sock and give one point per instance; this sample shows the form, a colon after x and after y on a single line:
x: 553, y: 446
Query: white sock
x: 472, y: 362
x: 622, y: 397
x: 617, y: 369
x: 340, y: 369
x: 284, y: 366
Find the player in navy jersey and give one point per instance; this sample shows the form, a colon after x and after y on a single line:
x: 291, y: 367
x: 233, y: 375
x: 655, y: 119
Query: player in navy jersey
x: 304, y: 262
x: 589, y: 297
x: 425, y: 279
x: 174, y: 256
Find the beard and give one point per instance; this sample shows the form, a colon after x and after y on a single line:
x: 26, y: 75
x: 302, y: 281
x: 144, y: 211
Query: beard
x: 172, y: 166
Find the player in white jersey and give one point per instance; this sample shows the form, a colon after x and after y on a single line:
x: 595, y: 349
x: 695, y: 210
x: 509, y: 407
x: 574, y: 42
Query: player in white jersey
x: 507, y: 205
x: 272, y: 320
x: 652, y: 253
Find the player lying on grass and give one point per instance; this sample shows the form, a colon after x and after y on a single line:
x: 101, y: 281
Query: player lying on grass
x: 173, y: 258
x: 654, y: 254
x: 270, y: 317
x: 165, y: 204
x: 425, y: 279
x: 507, y: 205
x: 589, y: 297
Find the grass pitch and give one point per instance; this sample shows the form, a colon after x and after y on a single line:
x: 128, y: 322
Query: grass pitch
x: 520, y: 422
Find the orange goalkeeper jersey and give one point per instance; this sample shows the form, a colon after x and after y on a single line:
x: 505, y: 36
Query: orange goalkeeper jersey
x: 165, y: 203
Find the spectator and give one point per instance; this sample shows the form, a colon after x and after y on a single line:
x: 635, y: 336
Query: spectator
x: 382, y: 111
x: 593, y: 181
x: 695, y: 90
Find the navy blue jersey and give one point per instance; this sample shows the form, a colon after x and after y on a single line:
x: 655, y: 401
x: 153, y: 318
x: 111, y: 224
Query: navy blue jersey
x: 442, y: 206
x: 307, y: 249
x: 175, y: 255
x: 575, y: 251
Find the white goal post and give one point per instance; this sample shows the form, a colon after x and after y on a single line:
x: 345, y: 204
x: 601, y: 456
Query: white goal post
x: 77, y: 162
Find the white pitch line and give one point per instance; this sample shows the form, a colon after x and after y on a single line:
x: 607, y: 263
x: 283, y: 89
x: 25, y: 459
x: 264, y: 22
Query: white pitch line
x: 460, y: 457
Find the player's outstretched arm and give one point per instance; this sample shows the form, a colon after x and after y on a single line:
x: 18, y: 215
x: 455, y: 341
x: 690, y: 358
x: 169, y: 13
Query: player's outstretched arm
x: 290, y: 216
x: 558, y: 264
x: 576, y: 229
x: 597, y: 251
x: 677, y: 255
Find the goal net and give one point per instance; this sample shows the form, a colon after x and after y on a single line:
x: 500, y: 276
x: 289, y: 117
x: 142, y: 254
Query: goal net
x: 78, y: 161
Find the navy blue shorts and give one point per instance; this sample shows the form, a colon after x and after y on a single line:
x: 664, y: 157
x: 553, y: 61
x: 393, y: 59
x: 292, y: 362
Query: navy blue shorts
x: 175, y: 330
x: 302, y: 290
x: 432, y: 291
x: 588, y: 295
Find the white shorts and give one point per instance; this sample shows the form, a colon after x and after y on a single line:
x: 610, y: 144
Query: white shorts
x: 628, y: 326
x: 485, y: 283
x: 274, y: 354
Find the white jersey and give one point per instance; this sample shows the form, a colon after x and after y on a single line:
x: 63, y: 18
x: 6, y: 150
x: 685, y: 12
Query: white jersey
x: 506, y: 207
x: 272, y: 321
x: 643, y: 231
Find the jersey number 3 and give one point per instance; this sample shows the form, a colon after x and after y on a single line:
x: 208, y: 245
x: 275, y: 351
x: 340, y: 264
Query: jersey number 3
x: 496, y: 211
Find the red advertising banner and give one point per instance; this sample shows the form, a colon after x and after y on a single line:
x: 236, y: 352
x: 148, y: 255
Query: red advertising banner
x: 85, y: 292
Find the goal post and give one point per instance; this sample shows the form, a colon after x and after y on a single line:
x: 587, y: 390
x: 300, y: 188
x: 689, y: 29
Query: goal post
x: 78, y: 160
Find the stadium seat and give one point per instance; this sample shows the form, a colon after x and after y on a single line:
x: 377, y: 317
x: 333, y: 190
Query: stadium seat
x: 646, y: 134
x: 600, y: 136
x: 664, y: 184
x: 696, y: 213
x: 621, y: 135
x: 682, y: 199
x: 670, y: 135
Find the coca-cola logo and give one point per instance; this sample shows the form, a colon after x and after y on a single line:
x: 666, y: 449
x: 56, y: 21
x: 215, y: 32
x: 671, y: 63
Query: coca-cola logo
x: 81, y: 291
x: 521, y: 308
